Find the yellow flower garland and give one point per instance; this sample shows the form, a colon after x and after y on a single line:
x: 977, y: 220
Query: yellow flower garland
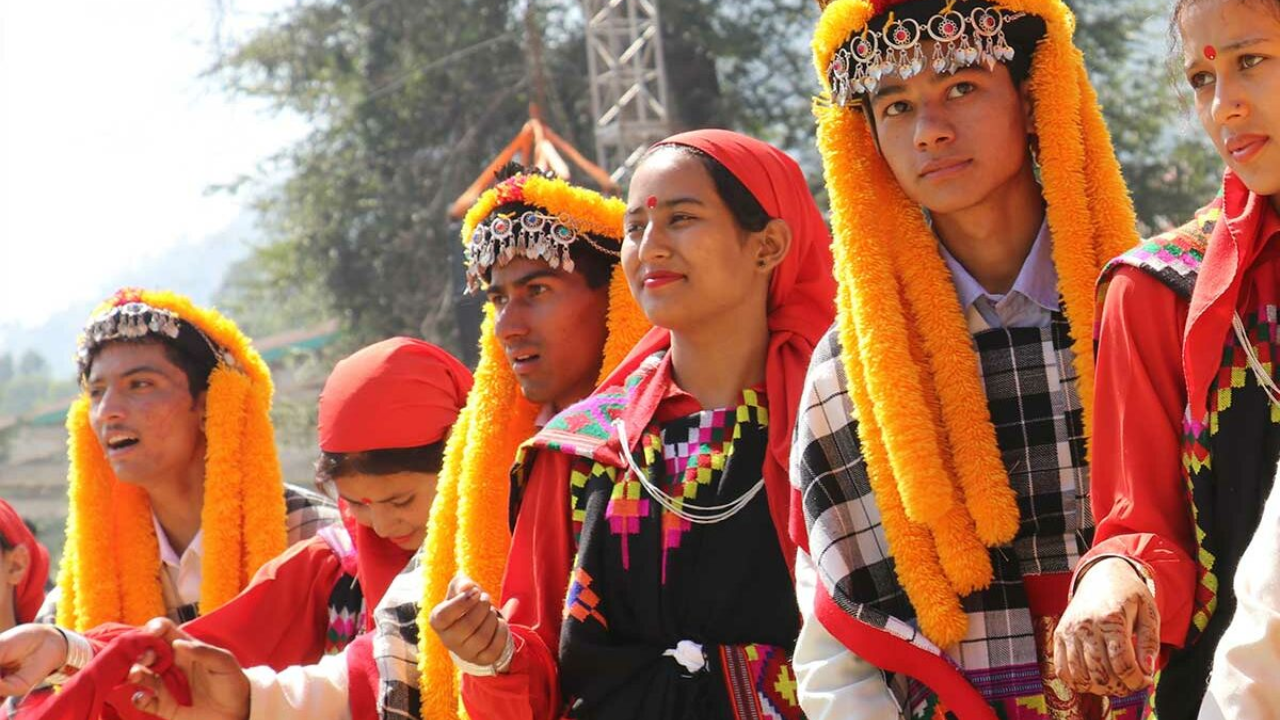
x: 590, y: 211
x: 913, y: 373
x: 468, y: 530
x: 110, y: 569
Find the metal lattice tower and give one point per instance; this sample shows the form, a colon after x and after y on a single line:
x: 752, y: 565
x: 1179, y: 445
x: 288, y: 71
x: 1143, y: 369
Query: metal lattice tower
x: 628, y: 80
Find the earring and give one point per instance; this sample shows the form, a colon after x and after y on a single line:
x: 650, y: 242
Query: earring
x: 761, y: 263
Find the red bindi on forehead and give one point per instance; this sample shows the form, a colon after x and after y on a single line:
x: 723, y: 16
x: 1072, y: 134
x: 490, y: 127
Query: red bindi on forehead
x: 1210, y: 52
x: 652, y: 202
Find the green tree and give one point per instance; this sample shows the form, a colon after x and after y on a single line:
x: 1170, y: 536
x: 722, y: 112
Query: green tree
x: 405, y: 113
x: 1169, y: 166
x: 33, y: 364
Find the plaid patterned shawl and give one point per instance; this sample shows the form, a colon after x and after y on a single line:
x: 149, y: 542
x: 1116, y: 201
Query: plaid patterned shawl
x: 395, y: 644
x: 1031, y: 389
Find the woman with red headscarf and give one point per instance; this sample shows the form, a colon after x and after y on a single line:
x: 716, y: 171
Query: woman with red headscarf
x: 24, y: 569
x: 669, y: 484
x: 385, y: 413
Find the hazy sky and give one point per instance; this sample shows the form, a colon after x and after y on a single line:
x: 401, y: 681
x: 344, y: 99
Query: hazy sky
x: 109, y: 139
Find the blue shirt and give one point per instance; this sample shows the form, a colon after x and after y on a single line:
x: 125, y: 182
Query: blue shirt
x: 1031, y: 301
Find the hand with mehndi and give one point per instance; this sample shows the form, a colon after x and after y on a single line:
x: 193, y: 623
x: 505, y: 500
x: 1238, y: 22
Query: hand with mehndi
x: 1108, y: 640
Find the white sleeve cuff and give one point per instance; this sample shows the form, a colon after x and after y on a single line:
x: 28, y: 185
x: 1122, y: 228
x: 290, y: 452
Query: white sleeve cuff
x: 834, y: 683
x: 310, y: 692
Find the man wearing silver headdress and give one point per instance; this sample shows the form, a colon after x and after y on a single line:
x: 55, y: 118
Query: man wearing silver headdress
x: 175, y: 487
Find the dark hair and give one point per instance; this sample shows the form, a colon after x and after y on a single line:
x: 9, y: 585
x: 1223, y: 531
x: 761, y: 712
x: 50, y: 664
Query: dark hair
x: 593, y: 265
x: 195, y: 365
x: 745, y: 208
x: 5, y: 544
x: 424, y: 458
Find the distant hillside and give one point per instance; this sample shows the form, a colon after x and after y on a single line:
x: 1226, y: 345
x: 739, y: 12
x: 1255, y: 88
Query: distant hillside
x: 195, y: 269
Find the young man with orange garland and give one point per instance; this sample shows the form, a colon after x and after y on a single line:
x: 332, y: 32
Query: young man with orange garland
x: 560, y: 315
x: 941, y: 451
x: 175, y: 487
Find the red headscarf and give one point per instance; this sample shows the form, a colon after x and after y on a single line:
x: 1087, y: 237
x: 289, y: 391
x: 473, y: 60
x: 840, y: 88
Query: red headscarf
x: 30, y: 592
x: 399, y: 393
x: 802, y: 296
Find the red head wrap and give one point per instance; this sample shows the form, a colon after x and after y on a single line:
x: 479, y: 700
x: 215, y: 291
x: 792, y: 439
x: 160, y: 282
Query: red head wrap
x: 802, y: 295
x: 399, y: 393
x: 30, y: 592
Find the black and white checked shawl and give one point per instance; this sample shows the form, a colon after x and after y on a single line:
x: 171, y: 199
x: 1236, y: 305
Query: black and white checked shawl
x: 395, y: 644
x: 1031, y: 390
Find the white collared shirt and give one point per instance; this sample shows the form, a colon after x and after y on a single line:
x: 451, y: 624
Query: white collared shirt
x: 180, y: 577
x: 1031, y: 301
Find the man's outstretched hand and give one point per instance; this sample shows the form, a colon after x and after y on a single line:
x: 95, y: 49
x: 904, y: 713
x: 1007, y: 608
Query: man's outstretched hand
x: 219, y: 688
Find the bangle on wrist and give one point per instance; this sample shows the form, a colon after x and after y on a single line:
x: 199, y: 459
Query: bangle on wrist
x: 498, y: 667
x: 79, y: 654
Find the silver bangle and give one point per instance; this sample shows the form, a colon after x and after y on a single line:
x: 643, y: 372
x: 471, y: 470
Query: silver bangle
x: 498, y: 667
x: 79, y: 654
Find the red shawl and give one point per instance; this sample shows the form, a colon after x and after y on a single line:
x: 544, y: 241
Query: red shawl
x: 399, y: 393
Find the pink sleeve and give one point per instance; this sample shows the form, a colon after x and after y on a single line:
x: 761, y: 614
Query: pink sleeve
x: 538, y: 569
x: 1139, y: 496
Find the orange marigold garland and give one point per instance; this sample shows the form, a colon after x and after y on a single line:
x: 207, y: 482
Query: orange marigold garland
x: 442, y: 531
x: 468, y: 530
x: 110, y: 569
x: 942, y: 619
x: 893, y: 377
x: 263, y: 501
x: 912, y: 370
x: 223, y: 505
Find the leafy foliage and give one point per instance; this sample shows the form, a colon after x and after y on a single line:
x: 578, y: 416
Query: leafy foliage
x: 410, y: 98
x: 1169, y: 165
x: 27, y: 383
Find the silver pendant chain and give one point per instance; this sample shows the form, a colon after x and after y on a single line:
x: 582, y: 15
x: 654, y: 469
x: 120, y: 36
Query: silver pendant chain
x: 697, y: 514
x: 1265, y: 381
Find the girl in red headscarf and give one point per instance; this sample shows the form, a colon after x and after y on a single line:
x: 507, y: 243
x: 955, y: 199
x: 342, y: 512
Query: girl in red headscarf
x: 664, y: 496
x: 24, y: 569
x: 384, y: 415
